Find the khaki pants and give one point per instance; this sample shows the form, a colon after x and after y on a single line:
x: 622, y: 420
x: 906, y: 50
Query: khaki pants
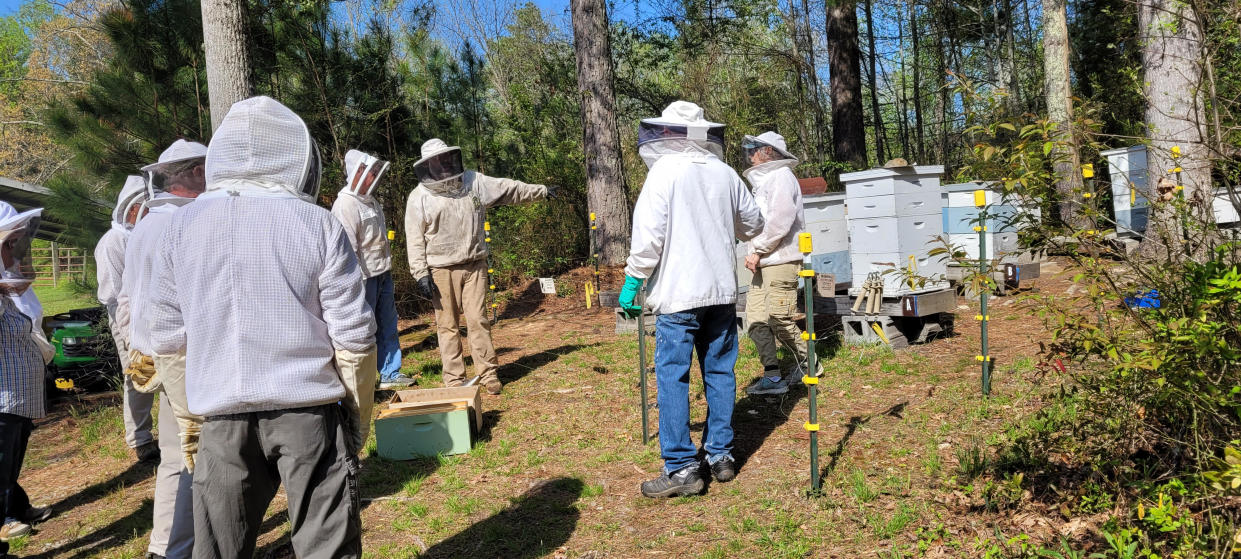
x: 463, y: 290
x: 769, y: 309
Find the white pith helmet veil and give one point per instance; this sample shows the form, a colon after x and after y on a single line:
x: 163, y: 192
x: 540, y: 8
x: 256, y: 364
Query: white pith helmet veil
x: 17, y: 232
x: 440, y: 162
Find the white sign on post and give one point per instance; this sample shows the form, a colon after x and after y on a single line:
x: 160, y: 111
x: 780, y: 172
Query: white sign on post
x: 548, y: 286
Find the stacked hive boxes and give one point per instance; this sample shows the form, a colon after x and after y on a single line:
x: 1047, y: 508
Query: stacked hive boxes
x: 895, y: 215
x: 1006, y: 214
x: 825, y: 221
x: 1127, y: 169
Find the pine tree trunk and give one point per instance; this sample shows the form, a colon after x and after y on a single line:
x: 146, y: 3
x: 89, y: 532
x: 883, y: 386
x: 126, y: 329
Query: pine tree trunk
x: 1060, y: 108
x: 881, y: 155
x: 799, y: 78
x: 228, y: 55
x: 902, y: 93
x: 1171, y: 35
x: 813, y: 63
x: 848, y: 123
x: 942, y: 102
x: 605, y: 181
x: 1010, y: 54
x: 920, y: 154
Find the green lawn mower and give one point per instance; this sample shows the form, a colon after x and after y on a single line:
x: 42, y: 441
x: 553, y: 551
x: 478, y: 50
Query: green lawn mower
x: 86, y: 358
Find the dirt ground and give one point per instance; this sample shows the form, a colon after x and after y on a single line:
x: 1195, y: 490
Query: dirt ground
x: 555, y: 469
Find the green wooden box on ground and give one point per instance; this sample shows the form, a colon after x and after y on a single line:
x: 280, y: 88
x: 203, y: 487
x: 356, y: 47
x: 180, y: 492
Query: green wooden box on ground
x: 418, y: 423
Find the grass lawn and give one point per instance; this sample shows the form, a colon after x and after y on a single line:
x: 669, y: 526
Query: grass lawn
x: 64, y: 297
x: 904, y: 440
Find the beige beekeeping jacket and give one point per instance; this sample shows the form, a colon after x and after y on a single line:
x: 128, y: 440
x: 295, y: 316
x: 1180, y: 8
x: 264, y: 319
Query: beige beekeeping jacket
x: 444, y: 220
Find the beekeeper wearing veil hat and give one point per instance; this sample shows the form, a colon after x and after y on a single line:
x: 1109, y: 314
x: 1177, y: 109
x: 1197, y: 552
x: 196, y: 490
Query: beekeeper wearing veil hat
x: 174, y: 181
x: 25, y: 353
x: 691, y: 208
x: 362, y: 216
x: 259, y: 289
x: 448, y: 253
x: 109, y: 269
x: 775, y: 260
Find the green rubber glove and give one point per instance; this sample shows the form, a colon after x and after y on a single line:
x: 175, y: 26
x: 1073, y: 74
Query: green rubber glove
x: 628, y: 296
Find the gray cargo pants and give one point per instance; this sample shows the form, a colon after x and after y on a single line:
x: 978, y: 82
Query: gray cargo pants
x: 243, y: 458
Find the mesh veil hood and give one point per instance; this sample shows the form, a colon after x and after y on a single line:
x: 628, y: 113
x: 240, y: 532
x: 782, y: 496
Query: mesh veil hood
x: 262, y: 147
x: 357, y: 165
x: 133, y: 193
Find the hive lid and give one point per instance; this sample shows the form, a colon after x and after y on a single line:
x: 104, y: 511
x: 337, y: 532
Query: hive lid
x: 883, y: 172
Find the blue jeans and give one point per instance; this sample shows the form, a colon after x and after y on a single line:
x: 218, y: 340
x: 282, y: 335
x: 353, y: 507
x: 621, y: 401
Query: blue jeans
x: 712, y: 332
x: 380, y: 295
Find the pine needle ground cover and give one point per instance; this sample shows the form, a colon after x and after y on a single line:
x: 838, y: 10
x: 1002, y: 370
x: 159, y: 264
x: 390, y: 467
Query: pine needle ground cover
x: 908, y: 445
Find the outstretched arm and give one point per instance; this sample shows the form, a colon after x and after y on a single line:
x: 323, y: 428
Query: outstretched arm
x: 504, y: 192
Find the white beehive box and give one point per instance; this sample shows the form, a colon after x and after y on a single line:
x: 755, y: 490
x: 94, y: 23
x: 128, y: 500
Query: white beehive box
x: 894, y: 216
x: 1127, y: 169
x: 1007, y: 213
x: 825, y: 221
x: 1225, y: 212
x: 829, y: 235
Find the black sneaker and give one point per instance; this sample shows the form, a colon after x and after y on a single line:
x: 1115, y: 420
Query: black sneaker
x: 724, y: 469
x: 35, y: 515
x: 680, y: 483
x: 148, y: 452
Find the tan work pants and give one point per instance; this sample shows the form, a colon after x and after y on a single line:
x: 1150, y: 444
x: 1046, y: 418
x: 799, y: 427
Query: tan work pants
x: 770, y: 306
x: 463, y: 290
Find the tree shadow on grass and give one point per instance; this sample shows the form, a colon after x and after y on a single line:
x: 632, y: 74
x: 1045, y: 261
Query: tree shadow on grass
x: 133, y: 475
x: 118, y: 533
x: 523, y: 304
x: 757, y: 416
x: 523, y: 366
x: 851, y: 428
x: 534, y: 525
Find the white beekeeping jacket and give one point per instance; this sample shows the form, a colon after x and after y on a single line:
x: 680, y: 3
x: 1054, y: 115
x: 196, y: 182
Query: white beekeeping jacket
x: 110, y: 250
x: 258, y: 286
x: 139, y: 277
x: 362, y: 216
x: 778, y: 195
x: 691, y: 209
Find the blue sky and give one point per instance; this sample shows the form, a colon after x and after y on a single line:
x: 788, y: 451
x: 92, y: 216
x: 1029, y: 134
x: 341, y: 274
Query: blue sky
x: 9, y: 6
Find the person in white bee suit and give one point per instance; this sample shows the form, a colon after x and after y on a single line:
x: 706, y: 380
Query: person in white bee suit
x: 260, y: 291
x: 172, y: 182
x: 109, y: 271
x: 362, y: 216
x: 774, y: 258
x: 448, y: 253
x: 692, y: 207
x: 25, y: 354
